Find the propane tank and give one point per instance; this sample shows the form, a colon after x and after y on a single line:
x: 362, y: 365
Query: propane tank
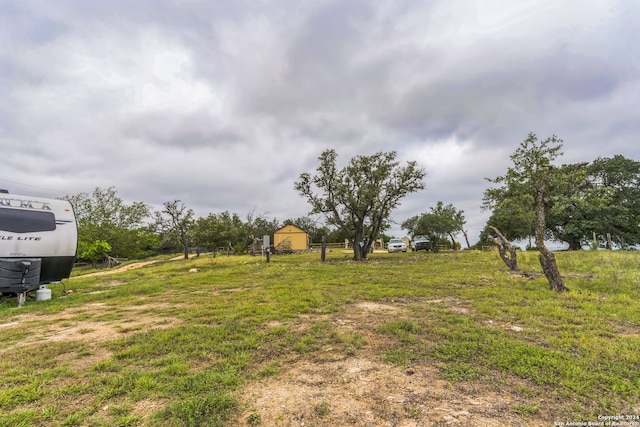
x: 43, y: 294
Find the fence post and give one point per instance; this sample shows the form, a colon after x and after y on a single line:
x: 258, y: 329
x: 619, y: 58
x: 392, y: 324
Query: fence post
x: 323, y: 252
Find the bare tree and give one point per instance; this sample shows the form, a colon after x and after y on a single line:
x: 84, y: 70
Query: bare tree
x: 258, y: 225
x: 181, y: 220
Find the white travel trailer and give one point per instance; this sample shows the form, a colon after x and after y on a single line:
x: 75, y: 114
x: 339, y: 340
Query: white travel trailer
x: 38, y: 241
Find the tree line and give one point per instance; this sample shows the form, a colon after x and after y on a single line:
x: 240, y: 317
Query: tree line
x: 591, y: 203
x: 108, y: 225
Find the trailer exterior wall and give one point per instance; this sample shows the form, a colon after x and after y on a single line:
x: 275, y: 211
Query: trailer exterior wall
x: 32, y: 227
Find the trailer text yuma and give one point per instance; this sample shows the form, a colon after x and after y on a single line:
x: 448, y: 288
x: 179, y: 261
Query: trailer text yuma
x: 21, y: 203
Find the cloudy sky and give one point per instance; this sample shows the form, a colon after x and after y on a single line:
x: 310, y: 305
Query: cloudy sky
x: 222, y: 104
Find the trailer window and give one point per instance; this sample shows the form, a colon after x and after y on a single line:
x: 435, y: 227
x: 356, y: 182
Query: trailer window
x: 25, y: 221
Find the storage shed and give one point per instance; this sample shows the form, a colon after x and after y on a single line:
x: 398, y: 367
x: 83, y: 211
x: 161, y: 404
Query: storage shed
x: 291, y: 238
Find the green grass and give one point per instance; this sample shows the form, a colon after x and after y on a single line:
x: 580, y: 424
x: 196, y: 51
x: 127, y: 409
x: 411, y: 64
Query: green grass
x: 210, y: 334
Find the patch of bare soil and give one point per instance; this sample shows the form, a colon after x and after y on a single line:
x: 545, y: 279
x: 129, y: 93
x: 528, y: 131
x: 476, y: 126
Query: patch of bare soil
x: 362, y: 392
x: 332, y: 389
x: 85, y: 324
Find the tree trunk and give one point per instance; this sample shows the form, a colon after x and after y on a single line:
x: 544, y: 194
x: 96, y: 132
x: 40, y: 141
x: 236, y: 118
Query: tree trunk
x: 453, y: 243
x: 511, y: 260
x: 186, y: 248
x: 466, y: 238
x: 575, y: 246
x: 357, y: 249
x: 252, y: 245
x: 550, y: 269
x: 546, y: 257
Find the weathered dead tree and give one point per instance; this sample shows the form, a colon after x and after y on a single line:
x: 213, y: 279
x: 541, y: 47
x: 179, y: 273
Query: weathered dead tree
x: 253, y: 245
x: 109, y: 261
x: 510, y: 259
x: 284, y: 247
x: 546, y: 257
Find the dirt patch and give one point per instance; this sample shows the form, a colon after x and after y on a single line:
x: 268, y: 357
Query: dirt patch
x: 504, y: 326
x: 333, y: 389
x: 361, y: 392
x: 92, y: 324
x: 373, y: 306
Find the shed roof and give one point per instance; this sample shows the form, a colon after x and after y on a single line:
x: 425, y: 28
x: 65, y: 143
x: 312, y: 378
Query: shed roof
x: 290, y: 229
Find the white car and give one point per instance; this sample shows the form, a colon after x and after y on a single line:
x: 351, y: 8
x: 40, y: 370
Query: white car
x: 396, y: 245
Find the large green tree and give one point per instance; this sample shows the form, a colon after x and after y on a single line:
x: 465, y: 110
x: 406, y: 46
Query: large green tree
x: 513, y: 213
x: 528, y: 182
x: 103, y: 216
x: 602, y: 198
x: 441, y: 222
x: 620, y: 177
x: 360, y: 197
x: 224, y: 231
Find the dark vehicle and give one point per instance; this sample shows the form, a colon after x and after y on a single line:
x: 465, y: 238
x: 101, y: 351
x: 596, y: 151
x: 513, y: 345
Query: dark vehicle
x: 420, y: 243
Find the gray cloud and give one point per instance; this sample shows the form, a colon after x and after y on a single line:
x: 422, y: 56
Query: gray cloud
x: 192, y: 131
x: 223, y: 104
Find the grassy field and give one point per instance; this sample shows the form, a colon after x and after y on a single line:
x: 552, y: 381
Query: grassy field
x: 413, y: 339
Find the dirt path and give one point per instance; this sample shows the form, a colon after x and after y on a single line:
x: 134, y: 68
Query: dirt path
x: 119, y: 269
x: 128, y: 267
